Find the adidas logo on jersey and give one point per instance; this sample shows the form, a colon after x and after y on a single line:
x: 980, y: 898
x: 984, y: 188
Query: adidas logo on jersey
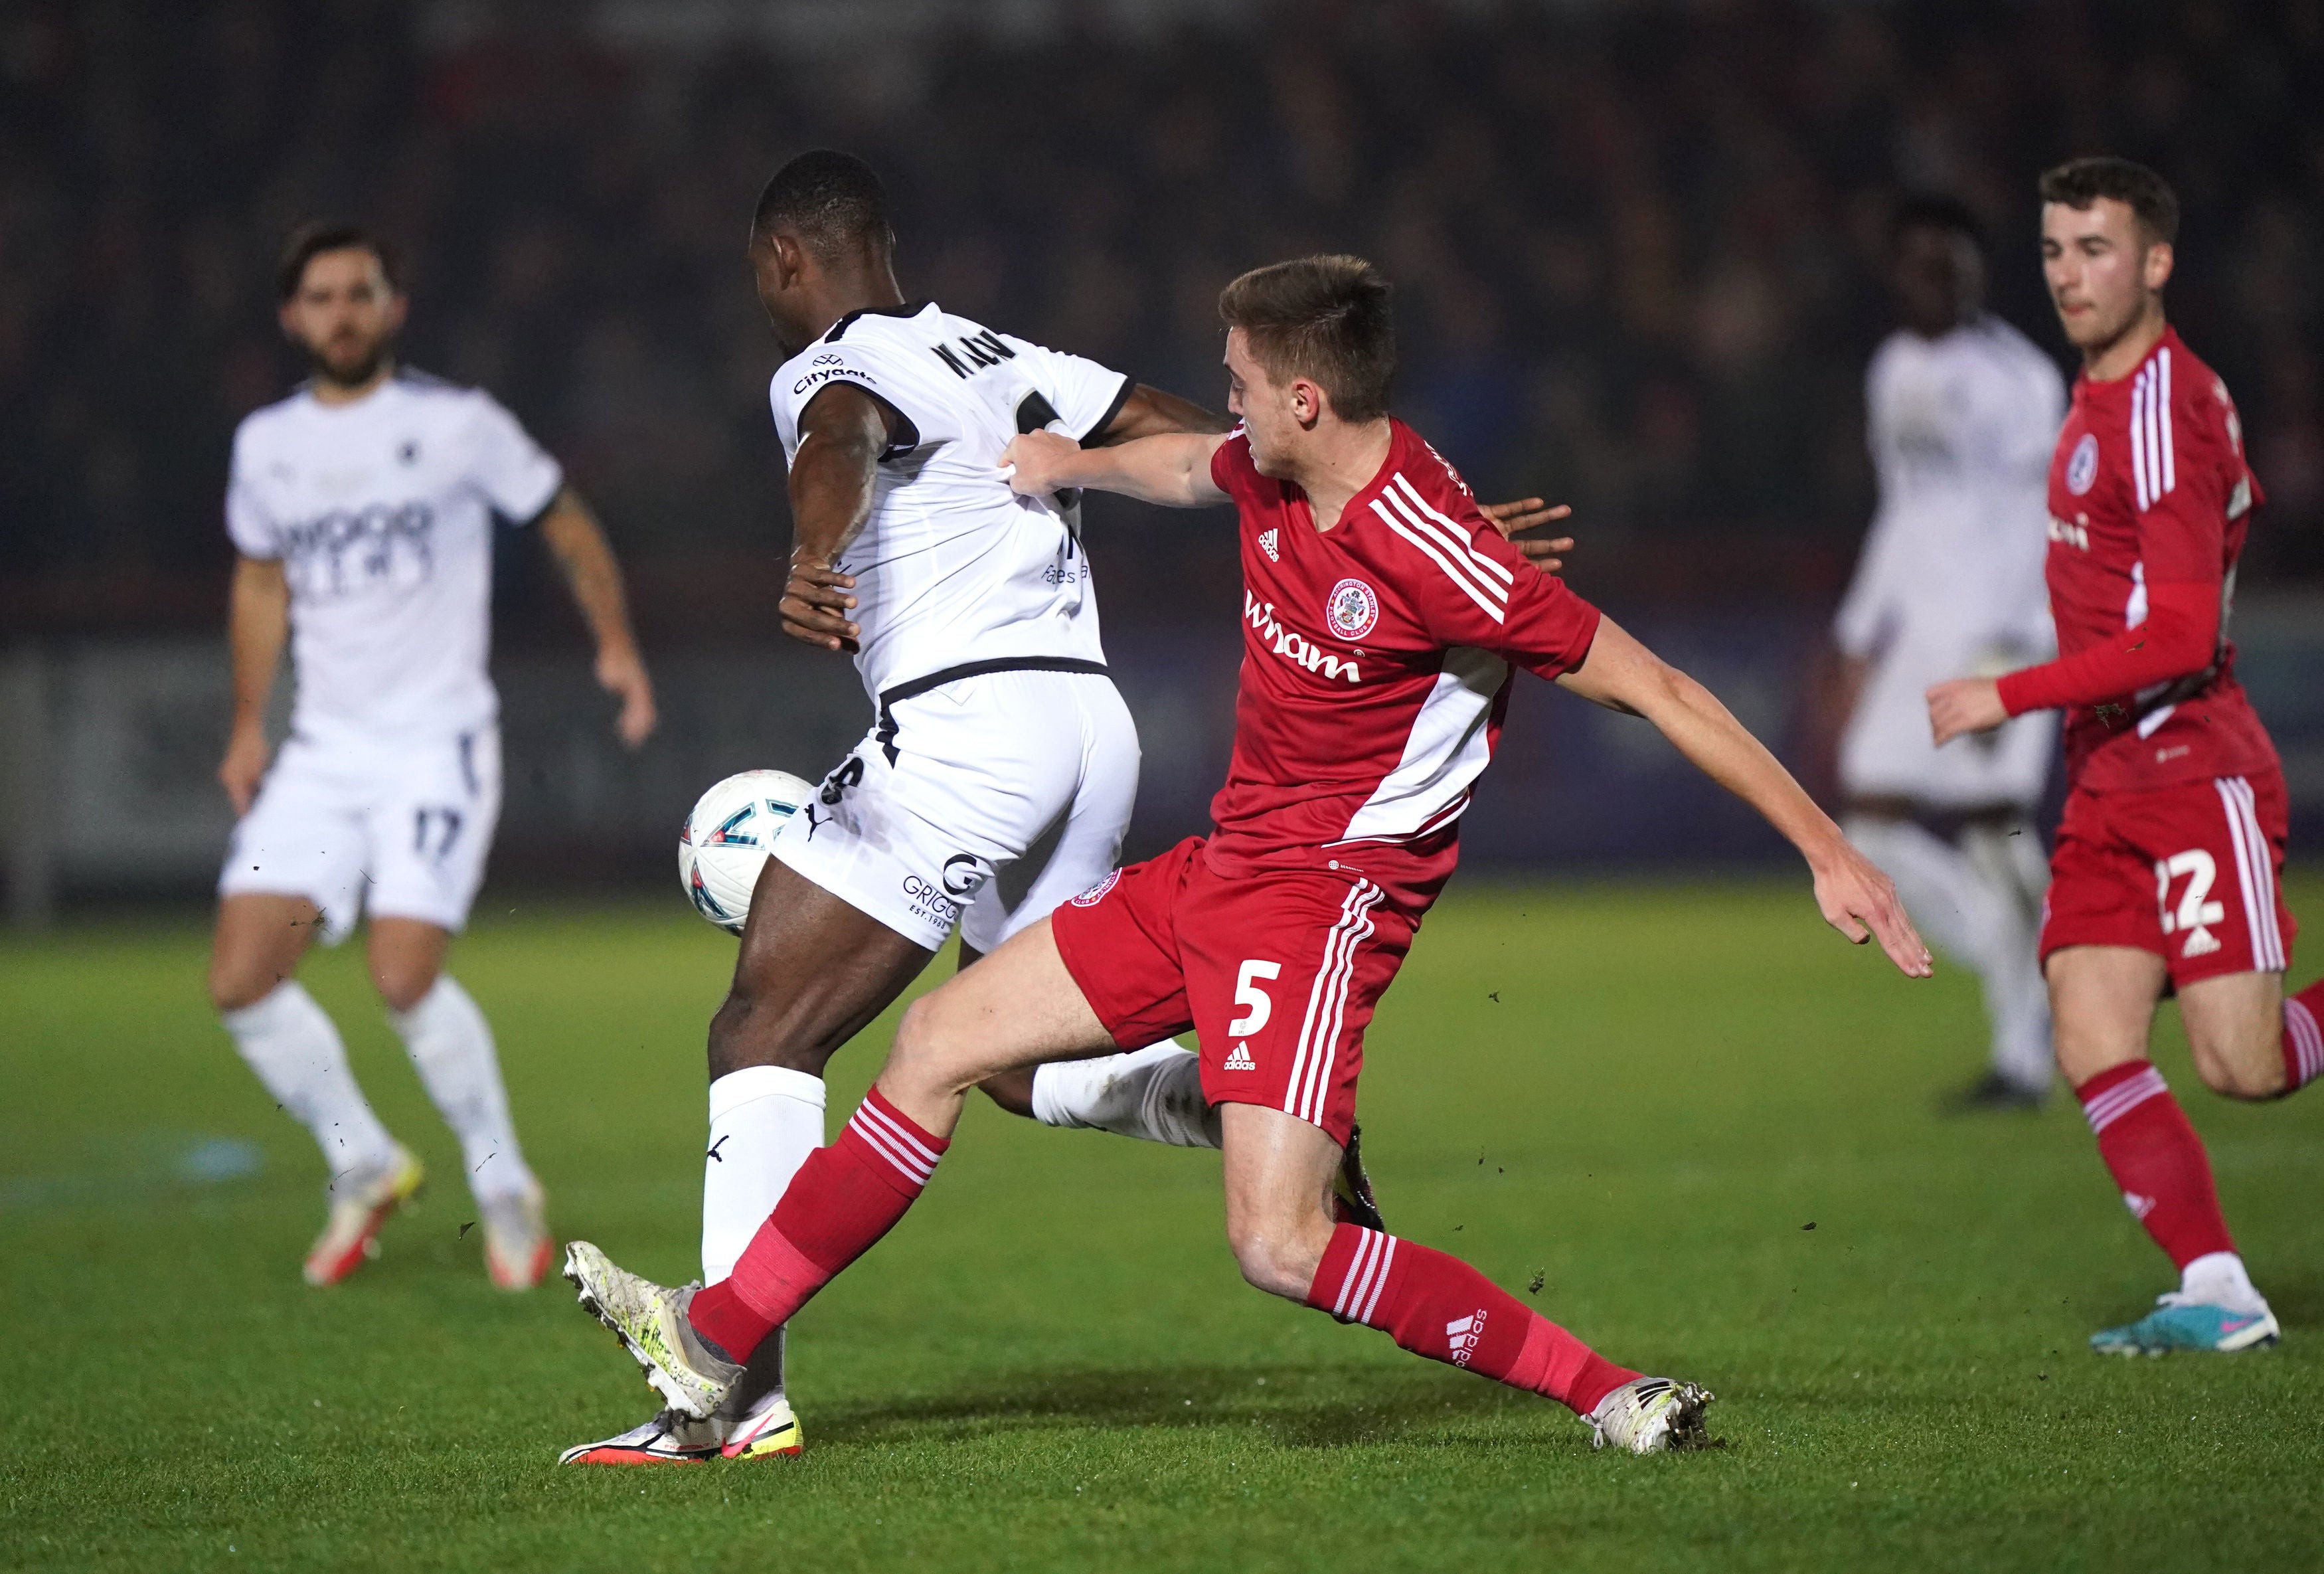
x: 1238, y: 1058
x: 2139, y: 1206
x: 2201, y: 943
x: 1461, y: 1334
x: 1266, y: 545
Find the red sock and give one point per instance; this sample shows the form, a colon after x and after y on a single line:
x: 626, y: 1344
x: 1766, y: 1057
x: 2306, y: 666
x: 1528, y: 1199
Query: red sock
x: 842, y: 1199
x: 2157, y: 1159
x: 2304, y: 1040
x: 1438, y: 1306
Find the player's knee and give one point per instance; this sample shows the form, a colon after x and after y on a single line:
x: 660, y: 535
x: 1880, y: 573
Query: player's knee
x: 929, y: 1052
x: 234, y: 984
x: 402, y: 985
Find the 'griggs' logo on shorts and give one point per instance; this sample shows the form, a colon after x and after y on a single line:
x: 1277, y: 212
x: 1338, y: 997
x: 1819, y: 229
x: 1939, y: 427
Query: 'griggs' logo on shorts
x: 2082, y: 465
x: 1096, y: 894
x: 963, y: 874
x: 928, y: 903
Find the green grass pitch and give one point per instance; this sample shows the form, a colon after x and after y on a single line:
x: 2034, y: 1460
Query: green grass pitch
x: 1699, y: 1120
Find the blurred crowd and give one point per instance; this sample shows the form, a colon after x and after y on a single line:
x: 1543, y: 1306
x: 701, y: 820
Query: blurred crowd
x: 1639, y: 245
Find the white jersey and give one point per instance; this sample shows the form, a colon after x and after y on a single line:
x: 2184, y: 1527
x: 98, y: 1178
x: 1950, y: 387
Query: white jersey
x: 1949, y: 581
x: 381, y: 515
x: 953, y: 569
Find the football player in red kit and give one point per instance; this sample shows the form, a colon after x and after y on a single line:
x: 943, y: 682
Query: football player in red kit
x: 2168, y: 862
x: 1382, y: 617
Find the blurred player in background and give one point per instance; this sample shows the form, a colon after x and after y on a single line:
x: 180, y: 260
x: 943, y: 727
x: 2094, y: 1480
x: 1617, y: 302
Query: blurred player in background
x: 1384, y: 617
x: 1001, y: 766
x: 1962, y: 412
x: 2167, y: 876
x: 361, y: 509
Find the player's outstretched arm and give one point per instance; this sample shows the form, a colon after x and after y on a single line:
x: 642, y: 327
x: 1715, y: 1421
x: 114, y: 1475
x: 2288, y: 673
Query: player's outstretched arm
x: 1173, y: 470
x: 1154, y: 412
x: 1857, y: 898
x: 258, y: 621
x: 579, y: 545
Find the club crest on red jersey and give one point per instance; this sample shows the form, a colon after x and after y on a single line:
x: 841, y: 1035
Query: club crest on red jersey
x: 1351, y: 609
x: 1096, y: 894
x: 2082, y: 465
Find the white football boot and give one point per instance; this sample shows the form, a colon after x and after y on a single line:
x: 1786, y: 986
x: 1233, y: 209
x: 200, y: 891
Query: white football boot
x: 359, y: 1206
x: 517, y: 1245
x: 649, y: 1319
x: 1652, y: 1415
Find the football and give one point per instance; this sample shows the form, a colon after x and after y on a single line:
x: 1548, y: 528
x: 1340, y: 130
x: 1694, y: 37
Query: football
x: 724, y: 843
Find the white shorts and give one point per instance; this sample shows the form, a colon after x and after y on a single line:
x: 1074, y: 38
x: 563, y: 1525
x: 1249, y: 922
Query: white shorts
x: 994, y: 794
x: 400, y: 832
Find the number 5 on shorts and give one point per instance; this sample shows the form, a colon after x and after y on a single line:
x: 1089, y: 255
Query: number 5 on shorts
x: 1256, y: 1008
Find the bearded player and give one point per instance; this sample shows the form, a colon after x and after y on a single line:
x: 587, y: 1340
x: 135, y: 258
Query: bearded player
x: 2167, y: 876
x: 999, y: 775
x: 362, y: 508
x: 1383, y: 618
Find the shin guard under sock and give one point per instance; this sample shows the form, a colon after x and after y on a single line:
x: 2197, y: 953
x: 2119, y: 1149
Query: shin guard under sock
x: 1437, y: 1306
x: 2156, y: 1160
x: 842, y: 1199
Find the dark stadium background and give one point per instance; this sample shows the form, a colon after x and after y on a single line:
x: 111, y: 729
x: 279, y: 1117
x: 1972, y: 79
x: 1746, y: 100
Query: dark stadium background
x: 1635, y: 246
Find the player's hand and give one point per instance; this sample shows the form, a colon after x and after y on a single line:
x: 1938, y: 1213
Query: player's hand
x: 1860, y: 902
x: 620, y: 671
x: 1031, y: 461
x: 243, y: 767
x: 815, y: 603
x: 1964, y: 705
x: 1527, y: 513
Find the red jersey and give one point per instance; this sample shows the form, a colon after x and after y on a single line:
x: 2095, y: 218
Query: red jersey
x: 1376, y: 663
x: 2149, y: 486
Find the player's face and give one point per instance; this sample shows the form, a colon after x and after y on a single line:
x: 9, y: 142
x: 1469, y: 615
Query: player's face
x: 345, y: 315
x: 2101, y: 269
x: 1939, y: 279
x: 1272, y: 413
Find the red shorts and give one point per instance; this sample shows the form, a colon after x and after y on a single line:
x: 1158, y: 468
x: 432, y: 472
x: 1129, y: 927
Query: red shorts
x: 1276, y: 974
x: 2193, y: 873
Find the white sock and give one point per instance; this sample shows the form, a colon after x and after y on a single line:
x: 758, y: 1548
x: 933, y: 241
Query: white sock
x: 1154, y: 1094
x: 1974, y: 913
x: 2217, y: 1279
x: 290, y: 1043
x: 451, y: 1047
x: 764, y: 1121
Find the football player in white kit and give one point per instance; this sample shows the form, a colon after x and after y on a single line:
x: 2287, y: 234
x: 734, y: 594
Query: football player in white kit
x: 1962, y: 412
x: 998, y: 777
x: 362, y: 508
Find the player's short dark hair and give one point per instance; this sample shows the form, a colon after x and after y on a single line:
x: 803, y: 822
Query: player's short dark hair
x: 2079, y: 183
x: 309, y: 241
x: 1934, y: 210
x: 833, y: 201
x: 1325, y: 318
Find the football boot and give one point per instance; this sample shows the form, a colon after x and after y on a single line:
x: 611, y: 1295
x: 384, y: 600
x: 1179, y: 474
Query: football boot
x: 358, y: 1208
x: 650, y: 1321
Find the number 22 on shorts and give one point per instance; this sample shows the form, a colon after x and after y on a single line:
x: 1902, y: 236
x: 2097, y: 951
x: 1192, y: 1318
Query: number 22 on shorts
x: 1256, y: 1006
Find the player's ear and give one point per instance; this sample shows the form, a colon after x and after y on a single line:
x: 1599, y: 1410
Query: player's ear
x: 2155, y: 271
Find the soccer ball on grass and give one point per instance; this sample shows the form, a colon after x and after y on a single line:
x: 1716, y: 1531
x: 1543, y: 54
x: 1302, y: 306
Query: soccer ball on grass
x: 723, y: 844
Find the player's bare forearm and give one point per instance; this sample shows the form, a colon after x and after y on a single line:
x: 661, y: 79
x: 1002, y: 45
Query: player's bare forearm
x: 1151, y: 412
x: 1857, y: 899
x: 258, y: 622
x: 842, y: 435
x: 578, y: 543
x: 1173, y: 470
